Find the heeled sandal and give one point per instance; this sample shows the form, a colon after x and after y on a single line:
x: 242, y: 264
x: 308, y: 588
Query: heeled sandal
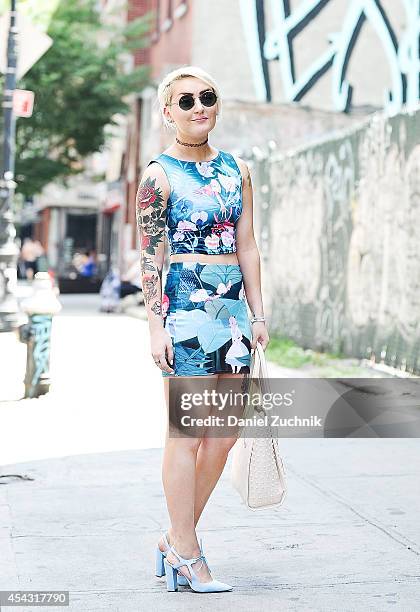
x: 160, y: 566
x: 172, y: 575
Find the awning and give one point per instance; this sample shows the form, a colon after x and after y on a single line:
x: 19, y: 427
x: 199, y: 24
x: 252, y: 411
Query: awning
x: 113, y: 199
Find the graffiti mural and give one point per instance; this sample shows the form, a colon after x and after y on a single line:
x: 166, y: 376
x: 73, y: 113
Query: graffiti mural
x: 343, y: 260
x: 41, y: 332
x: 272, y: 39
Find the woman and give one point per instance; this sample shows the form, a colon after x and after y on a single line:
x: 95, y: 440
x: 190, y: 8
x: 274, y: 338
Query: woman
x: 130, y: 280
x: 29, y: 254
x: 202, y: 199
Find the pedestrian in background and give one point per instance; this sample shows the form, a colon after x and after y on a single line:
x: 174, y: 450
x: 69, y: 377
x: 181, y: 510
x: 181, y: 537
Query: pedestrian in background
x: 131, y: 279
x: 41, y: 257
x: 89, y: 267
x: 29, y: 253
x: 110, y: 291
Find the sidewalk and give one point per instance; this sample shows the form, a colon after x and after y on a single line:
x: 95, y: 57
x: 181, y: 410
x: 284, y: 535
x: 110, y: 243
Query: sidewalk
x: 346, y: 538
x: 96, y: 402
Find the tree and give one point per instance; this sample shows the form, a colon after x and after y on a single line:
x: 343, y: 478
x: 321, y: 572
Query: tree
x: 79, y: 84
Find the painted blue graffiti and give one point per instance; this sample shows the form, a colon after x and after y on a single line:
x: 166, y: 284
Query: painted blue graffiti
x: 344, y: 43
x: 403, y: 59
x: 409, y: 52
x: 41, y: 329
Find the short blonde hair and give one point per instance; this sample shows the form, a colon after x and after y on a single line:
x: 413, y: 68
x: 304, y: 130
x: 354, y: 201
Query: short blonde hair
x: 164, y: 92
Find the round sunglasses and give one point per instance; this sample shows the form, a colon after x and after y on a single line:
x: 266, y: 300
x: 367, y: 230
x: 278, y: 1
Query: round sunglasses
x: 187, y: 101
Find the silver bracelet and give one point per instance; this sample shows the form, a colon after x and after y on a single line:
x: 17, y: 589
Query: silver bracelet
x: 254, y: 319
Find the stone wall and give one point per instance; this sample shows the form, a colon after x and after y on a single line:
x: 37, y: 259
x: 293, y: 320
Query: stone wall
x: 338, y: 226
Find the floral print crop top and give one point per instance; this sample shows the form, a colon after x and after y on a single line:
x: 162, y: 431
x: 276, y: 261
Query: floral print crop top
x: 204, y: 204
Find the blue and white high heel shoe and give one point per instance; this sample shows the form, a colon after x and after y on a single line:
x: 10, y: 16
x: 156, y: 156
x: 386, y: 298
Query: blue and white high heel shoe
x: 172, y: 575
x: 160, y: 567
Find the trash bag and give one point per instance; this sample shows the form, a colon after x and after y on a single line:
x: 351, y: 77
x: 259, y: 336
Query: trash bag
x: 110, y: 291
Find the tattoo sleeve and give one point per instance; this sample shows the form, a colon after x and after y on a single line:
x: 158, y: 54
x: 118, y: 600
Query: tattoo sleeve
x: 150, y: 218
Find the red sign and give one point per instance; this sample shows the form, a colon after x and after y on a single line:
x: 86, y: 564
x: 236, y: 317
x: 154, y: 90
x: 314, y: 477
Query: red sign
x: 113, y: 201
x: 23, y: 102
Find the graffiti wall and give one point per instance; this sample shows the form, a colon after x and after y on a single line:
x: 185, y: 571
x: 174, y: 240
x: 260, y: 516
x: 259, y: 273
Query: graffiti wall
x: 334, y: 54
x: 339, y: 233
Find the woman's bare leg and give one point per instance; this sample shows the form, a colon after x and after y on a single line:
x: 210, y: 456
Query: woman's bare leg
x: 213, y: 451
x: 179, y: 482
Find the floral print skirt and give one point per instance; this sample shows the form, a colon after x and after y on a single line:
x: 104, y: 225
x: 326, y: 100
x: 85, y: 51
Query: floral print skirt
x: 206, y: 315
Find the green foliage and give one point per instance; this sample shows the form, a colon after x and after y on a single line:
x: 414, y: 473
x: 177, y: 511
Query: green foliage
x: 79, y: 84
x: 37, y: 11
x: 286, y: 353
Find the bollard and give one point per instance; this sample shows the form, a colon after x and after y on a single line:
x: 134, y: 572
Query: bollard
x: 40, y: 308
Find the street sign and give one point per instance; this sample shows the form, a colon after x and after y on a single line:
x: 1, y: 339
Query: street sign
x: 31, y: 43
x: 23, y: 102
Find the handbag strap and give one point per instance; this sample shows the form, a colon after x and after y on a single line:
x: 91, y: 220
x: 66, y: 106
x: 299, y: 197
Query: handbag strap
x: 259, y: 369
x: 262, y: 360
x: 265, y: 387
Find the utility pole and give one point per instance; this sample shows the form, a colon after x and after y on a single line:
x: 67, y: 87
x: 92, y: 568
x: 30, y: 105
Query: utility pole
x: 9, y: 311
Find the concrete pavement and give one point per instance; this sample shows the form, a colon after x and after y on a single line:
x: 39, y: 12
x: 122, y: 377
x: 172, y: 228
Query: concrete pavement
x: 346, y: 538
x: 97, y: 400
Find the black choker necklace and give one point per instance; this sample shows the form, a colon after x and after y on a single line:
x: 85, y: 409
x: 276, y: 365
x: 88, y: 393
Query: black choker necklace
x: 188, y: 144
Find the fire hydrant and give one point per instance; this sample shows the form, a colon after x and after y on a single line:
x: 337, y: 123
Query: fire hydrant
x: 40, y: 308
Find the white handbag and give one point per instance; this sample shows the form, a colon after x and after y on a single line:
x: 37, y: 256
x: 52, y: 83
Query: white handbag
x: 257, y: 471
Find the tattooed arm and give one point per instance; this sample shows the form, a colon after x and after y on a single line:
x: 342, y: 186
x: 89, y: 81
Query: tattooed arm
x: 151, y: 202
